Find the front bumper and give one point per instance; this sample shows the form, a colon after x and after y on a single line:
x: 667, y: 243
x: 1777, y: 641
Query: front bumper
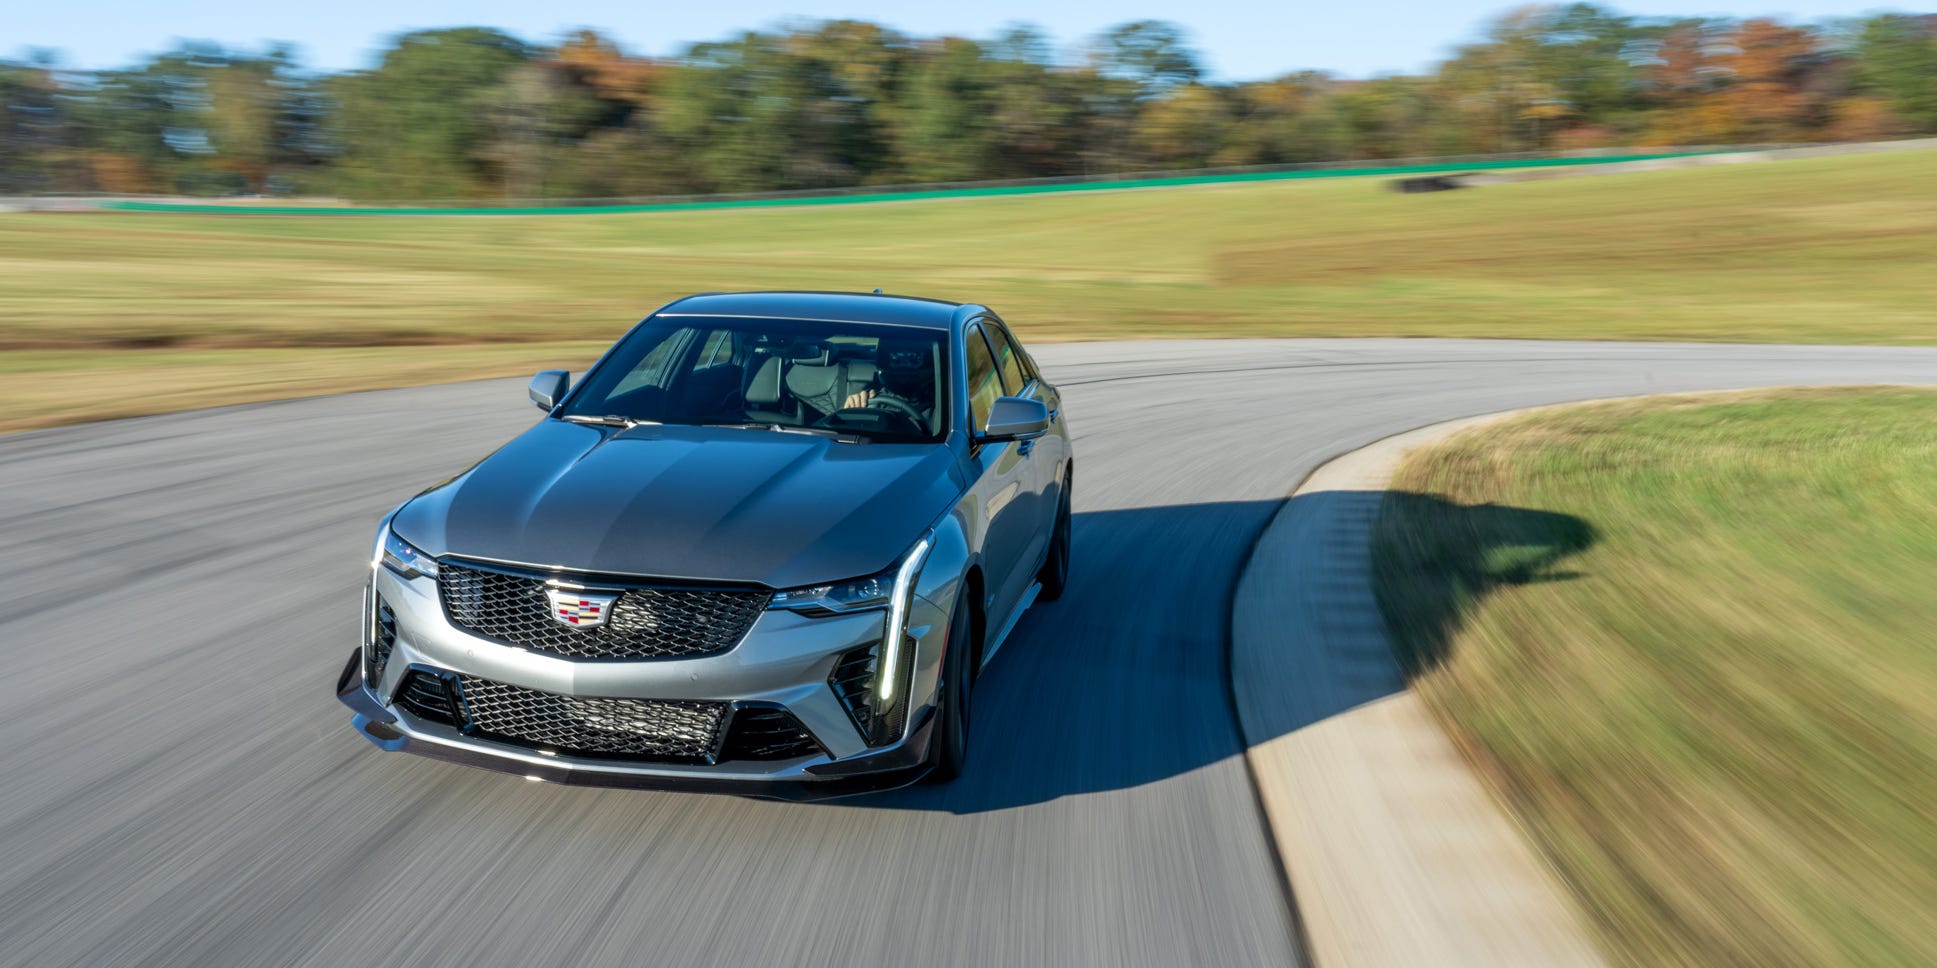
x: 783, y: 662
x: 398, y: 731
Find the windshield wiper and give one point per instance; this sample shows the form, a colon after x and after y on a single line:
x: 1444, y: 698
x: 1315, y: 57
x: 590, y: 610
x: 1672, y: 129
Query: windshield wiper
x: 608, y: 420
x: 793, y: 429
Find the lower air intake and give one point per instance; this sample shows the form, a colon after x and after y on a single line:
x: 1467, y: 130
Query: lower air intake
x: 635, y: 729
x: 767, y: 734
x: 429, y: 696
x: 383, y: 638
x: 853, y: 676
x: 853, y: 681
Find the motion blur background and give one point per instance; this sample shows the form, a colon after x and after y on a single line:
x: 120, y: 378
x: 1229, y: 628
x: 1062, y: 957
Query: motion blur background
x: 474, y: 112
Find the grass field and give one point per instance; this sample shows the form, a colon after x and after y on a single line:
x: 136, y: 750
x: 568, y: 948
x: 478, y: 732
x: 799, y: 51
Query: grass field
x: 1689, y: 640
x: 1821, y: 250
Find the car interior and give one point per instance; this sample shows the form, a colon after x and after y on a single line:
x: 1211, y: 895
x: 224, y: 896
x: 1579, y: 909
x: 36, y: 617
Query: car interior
x: 729, y: 376
x: 810, y: 382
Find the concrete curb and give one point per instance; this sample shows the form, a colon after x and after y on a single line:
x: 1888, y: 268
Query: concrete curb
x: 1395, y: 852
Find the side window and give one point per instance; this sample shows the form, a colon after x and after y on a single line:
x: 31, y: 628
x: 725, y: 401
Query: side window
x: 718, y: 349
x: 1007, y: 360
x: 656, y: 369
x: 984, y: 383
x: 1028, y: 362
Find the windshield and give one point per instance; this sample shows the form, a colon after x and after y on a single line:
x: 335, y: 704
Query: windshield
x: 855, y: 379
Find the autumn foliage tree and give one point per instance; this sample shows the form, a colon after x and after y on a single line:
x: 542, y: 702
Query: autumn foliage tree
x: 472, y: 112
x: 1766, y: 67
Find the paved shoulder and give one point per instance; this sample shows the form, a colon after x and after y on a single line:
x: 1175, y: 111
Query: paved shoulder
x: 1396, y: 853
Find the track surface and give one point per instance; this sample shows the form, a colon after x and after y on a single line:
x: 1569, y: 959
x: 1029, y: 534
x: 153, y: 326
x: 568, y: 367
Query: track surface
x: 177, y: 594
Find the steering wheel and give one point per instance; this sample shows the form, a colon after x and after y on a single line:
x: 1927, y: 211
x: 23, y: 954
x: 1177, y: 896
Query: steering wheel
x: 898, y: 407
x: 904, y: 418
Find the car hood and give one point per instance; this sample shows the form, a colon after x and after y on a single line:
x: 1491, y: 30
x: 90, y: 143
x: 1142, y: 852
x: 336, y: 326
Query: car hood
x: 703, y: 503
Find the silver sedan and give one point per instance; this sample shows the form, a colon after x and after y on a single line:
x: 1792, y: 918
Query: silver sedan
x: 764, y: 546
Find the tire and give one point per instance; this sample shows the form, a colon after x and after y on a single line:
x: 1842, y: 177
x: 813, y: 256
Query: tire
x: 1054, y: 575
x: 957, y: 697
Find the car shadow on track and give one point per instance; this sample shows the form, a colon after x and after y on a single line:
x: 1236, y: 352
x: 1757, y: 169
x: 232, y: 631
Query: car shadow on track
x: 1125, y: 680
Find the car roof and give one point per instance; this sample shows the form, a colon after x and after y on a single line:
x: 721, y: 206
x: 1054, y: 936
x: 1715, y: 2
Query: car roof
x: 846, y: 307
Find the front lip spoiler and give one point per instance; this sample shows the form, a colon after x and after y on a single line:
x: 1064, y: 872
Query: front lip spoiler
x: 381, y: 727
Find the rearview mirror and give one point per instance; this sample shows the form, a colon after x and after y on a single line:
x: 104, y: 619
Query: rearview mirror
x: 1015, y: 418
x: 548, y: 387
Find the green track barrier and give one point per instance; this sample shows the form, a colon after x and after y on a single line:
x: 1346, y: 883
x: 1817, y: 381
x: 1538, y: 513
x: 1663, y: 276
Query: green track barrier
x: 916, y: 194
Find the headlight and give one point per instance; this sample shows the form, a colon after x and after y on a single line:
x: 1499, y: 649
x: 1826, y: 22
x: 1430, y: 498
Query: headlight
x: 398, y: 556
x: 889, y: 590
x: 852, y: 596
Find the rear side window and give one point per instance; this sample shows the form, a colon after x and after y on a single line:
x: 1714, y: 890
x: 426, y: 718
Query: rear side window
x: 1007, y: 359
x: 718, y: 350
x: 983, y: 383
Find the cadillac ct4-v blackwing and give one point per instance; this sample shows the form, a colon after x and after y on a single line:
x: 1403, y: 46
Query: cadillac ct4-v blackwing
x: 763, y: 546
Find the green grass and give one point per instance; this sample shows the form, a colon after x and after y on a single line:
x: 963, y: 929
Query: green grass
x: 1690, y: 642
x: 1821, y: 250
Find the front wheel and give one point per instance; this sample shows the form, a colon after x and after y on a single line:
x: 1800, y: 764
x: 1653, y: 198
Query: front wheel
x: 957, y: 695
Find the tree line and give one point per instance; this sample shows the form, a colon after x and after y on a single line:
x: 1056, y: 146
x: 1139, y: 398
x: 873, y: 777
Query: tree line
x: 474, y: 113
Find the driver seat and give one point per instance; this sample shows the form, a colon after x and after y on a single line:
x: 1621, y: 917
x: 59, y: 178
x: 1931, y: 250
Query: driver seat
x: 822, y: 386
x: 807, y: 390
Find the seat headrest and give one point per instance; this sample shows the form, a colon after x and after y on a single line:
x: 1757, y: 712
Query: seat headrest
x: 764, y: 388
x: 811, y: 380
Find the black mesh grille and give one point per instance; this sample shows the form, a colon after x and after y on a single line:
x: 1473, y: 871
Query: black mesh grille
x: 644, y: 622
x: 384, y: 638
x: 642, y: 729
x: 767, y: 734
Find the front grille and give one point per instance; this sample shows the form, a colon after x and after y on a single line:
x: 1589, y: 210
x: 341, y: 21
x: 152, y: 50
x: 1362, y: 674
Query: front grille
x: 383, y: 639
x: 767, y: 734
x: 645, y: 622
x: 640, y: 729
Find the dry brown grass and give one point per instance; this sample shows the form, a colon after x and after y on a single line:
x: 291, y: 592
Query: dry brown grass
x: 39, y: 388
x: 1821, y: 250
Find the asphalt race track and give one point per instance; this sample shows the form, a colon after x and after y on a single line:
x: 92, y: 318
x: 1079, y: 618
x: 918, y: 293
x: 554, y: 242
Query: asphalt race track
x: 180, y: 787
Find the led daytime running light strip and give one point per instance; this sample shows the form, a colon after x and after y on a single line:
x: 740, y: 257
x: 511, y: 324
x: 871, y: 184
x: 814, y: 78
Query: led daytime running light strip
x: 897, y: 616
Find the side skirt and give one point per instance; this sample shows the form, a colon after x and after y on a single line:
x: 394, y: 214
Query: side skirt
x: 1015, y: 615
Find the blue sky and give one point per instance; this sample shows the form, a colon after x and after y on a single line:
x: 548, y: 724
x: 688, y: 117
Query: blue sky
x: 1239, y: 40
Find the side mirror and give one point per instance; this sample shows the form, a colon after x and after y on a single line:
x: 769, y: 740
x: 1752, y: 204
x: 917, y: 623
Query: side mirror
x: 548, y: 387
x: 1015, y: 418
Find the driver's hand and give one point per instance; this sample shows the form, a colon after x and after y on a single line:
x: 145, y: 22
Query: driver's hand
x: 858, y: 399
